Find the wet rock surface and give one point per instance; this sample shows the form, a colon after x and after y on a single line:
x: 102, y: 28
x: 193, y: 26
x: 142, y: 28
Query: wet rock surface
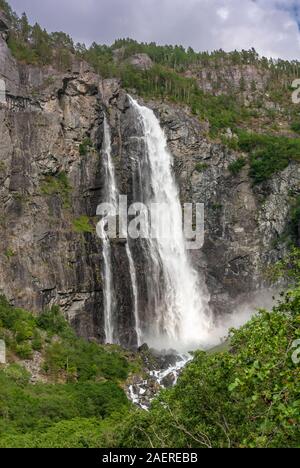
x: 161, y: 370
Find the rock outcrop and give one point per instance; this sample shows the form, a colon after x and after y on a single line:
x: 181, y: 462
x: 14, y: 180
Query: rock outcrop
x: 141, y: 61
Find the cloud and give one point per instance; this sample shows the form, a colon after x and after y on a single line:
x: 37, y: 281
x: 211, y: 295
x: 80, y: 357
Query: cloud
x: 271, y: 26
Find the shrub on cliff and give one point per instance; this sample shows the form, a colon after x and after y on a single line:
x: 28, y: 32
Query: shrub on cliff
x: 268, y: 154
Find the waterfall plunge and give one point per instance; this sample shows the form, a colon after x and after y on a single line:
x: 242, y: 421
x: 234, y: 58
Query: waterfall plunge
x: 182, y: 316
x: 176, y: 314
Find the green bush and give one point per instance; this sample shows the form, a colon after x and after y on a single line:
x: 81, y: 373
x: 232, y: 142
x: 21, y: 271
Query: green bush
x: 295, y: 126
x: 86, y: 361
x: 58, y: 185
x: 236, y: 166
x: 52, y: 321
x: 85, y: 146
x: 74, y: 433
x: 201, y: 167
x: 268, y: 154
x: 24, y: 351
x: 37, y: 407
x: 23, y: 330
x: 9, y: 253
x: 10, y: 316
x: 82, y: 225
x: 37, y: 341
x: 18, y: 374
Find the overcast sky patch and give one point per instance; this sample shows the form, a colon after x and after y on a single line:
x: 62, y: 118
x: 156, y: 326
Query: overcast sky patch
x: 270, y: 26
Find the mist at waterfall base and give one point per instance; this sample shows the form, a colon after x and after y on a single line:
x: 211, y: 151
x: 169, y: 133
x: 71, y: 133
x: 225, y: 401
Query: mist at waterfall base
x: 241, y: 314
x: 221, y: 325
x: 180, y: 318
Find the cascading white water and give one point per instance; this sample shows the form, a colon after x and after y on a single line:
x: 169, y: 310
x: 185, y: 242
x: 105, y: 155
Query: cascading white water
x: 182, y: 317
x: 108, y: 287
x: 135, y: 294
x: 111, y: 197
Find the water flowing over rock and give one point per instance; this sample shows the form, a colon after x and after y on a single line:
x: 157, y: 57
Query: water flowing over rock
x: 162, y: 370
x: 178, y: 311
x: 111, y: 197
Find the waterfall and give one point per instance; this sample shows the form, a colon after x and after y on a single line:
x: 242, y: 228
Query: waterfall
x: 135, y: 294
x: 111, y: 197
x: 181, y: 316
x: 109, y: 301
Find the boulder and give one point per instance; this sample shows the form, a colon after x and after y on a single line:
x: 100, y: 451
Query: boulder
x: 141, y: 61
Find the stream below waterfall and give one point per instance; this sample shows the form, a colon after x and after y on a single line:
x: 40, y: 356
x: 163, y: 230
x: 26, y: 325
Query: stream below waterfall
x: 143, y: 390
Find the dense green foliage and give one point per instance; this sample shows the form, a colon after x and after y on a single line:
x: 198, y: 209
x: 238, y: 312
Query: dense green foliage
x: 37, y: 407
x: 295, y: 126
x: 73, y: 433
x: 82, y: 224
x: 268, y: 154
x: 236, y: 166
x: 81, y: 390
x: 247, y: 397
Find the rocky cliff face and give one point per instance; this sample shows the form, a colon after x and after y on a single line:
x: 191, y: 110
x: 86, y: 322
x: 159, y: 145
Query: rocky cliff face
x: 51, y: 181
x: 46, y: 117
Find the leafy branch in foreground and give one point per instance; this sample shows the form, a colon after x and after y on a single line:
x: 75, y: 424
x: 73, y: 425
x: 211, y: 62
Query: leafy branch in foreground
x: 246, y: 397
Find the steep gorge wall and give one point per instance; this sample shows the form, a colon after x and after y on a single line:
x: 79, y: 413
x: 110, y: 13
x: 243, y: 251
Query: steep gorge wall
x: 44, y: 261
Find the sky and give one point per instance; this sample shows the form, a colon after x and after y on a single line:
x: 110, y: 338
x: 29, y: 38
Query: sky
x: 272, y: 27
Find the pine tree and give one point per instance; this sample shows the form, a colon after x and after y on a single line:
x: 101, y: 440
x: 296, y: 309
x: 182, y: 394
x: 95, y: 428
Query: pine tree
x: 25, y: 28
